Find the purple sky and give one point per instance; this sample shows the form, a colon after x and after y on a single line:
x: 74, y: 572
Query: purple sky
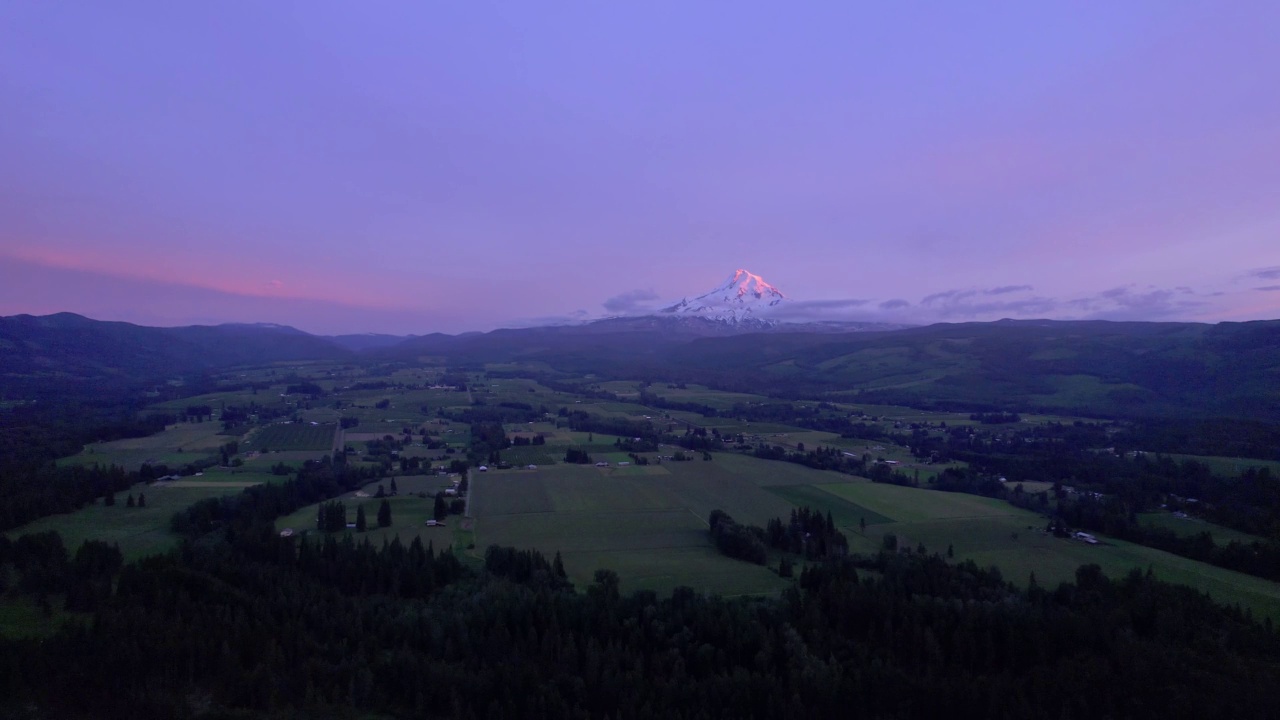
x: 420, y: 166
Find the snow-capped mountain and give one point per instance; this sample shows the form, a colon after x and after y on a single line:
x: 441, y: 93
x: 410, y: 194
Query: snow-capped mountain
x: 743, y: 298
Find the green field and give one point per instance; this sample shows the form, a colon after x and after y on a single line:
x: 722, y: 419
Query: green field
x: 1230, y: 466
x: 1195, y: 526
x: 845, y: 513
x: 647, y: 523
x: 176, y: 446
x: 532, y: 454
x: 293, y: 436
x: 409, y: 514
x: 992, y: 532
x: 138, y: 531
x: 768, y: 472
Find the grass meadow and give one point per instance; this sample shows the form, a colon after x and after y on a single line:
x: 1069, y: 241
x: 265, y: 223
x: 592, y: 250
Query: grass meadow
x: 1195, y: 526
x: 177, y: 445
x: 140, y: 531
x: 292, y: 436
x: 992, y: 532
x: 409, y: 515
x: 647, y: 523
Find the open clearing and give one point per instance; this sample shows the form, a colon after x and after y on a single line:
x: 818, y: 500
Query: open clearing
x: 177, y: 445
x: 1231, y: 465
x: 650, y: 528
x: 992, y: 532
x: 138, y: 531
x: 409, y: 515
x: 1194, y: 526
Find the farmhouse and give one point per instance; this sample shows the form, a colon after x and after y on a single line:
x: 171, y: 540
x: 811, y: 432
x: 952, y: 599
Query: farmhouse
x: 1086, y: 537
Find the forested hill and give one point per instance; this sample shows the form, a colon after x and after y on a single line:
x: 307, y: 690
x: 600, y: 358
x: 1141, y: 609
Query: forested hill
x: 1093, y: 368
x: 1096, y: 368
x: 67, y: 355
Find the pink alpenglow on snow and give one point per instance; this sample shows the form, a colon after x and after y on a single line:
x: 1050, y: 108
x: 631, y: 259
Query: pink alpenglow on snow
x: 744, y: 296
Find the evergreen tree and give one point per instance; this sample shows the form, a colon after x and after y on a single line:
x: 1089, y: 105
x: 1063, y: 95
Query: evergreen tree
x: 142, y: 500
x: 384, y: 514
x: 361, y: 523
x: 441, y: 509
x: 129, y: 502
x: 394, y: 490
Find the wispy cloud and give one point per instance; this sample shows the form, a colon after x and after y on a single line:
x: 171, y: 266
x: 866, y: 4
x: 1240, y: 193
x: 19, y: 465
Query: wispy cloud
x: 632, y: 301
x: 574, y: 318
x: 818, y: 310
x: 1267, y: 273
x: 1268, y: 288
x: 1127, y: 303
x: 1006, y: 289
x: 894, y: 304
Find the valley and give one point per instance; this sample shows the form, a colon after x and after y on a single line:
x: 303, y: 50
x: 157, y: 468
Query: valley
x: 647, y: 522
x: 400, y: 477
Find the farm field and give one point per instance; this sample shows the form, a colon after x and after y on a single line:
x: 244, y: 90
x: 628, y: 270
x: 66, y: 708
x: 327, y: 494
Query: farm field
x: 718, y: 399
x: 177, y: 445
x: 532, y: 454
x: 1230, y: 465
x: 768, y: 472
x: 292, y: 436
x: 877, y: 449
x: 650, y: 527
x: 632, y: 520
x: 138, y: 531
x: 409, y: 515
x: 992, y: 532
x: 1195, y: 526
x: 263, y: 462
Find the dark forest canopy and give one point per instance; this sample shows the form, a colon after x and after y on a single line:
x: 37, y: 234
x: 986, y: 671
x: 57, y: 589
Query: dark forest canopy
x: 263, y: 624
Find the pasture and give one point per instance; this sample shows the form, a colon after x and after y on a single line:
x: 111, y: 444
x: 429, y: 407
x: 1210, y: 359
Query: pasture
x: 409, y: 514
x: 648, y: 523
x: 992, y: 532
x: 175, y: 446
x: 1230, y: 466
x: 292, y: 437
x: 139, y: 531
x: 1194, y: 526
x: 614, y: 518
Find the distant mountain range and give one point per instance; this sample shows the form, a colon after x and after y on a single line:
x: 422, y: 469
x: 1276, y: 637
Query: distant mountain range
x: 1092, y: 368
x: 53, y: 355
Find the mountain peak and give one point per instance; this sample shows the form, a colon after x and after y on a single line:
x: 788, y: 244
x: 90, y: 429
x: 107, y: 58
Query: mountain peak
x: 744, y: 282
x: 743, y: 297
